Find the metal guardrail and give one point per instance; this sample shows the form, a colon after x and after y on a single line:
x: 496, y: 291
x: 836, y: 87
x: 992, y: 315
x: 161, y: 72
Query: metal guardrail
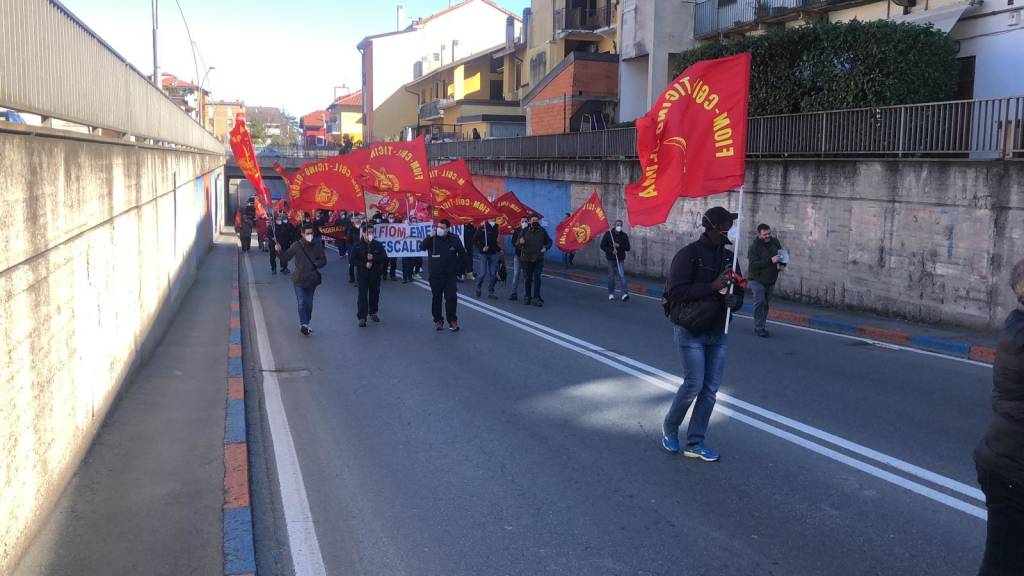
x: 53, y: 65
x: 296, y: 151
x: 992, y: 128
x: 713, y: 16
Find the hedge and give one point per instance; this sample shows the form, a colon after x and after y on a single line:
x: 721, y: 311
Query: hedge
x: 832, y: 66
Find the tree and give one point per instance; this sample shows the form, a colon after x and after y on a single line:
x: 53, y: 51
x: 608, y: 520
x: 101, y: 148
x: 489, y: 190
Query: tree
x: 831, y: 66
x: 258, y: 131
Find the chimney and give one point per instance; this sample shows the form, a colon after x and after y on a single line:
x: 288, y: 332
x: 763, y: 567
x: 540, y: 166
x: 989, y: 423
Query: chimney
x: 527, y: 17
x: 400, y: 18
x: 510, y: 32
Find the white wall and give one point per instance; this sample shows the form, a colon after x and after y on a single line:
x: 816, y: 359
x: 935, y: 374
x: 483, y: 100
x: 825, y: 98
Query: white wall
x: 632, y: 88
x: 998, y: 49
x: 652, y: 30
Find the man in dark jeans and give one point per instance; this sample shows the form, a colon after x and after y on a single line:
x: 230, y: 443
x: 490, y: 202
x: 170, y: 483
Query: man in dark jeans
x: 283, y: 234
x: 534, y: 242
x: 701, y: 273
x: 999, y: 456
x: 309, y: 258
x: 763, y: 265
x: 370, y: 260
x: 352, y: 235
x: 447, y: 260
x: 615, y: 244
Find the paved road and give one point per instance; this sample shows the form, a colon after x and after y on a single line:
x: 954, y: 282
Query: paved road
x: 529, y: 444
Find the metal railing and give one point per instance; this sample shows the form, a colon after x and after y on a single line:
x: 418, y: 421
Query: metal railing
x: 567, y: 19
x: 53, y: 65
x: 296, y: 151
x: 981, y: 129
x: 713, y: 16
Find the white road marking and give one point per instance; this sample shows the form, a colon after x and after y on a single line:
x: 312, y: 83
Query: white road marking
x: 307, y: 560
x: 879, y: 343
x: 670, y: 383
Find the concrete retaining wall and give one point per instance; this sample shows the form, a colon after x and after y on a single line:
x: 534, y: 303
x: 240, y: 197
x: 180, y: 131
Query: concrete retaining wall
x: 101, y: 242
x: 923, y: 240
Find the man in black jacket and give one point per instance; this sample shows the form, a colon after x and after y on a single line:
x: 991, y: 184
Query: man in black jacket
x: 309, y: 259
x: 517, y: 251
x: 370, y: 260
x: 615, y: 244
x: 701, y: 275
x: 999, y: 456
x: 447, y: 259
x: 490, y: 251
x: 534, y: 243
x: 352, y: 235
x: 283, y: 234
x: 248, y: 221
x: 763, y: 265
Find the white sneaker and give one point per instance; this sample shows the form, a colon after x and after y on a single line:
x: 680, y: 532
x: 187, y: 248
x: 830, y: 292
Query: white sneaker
x: 611, y: 296
x: 625, y: 297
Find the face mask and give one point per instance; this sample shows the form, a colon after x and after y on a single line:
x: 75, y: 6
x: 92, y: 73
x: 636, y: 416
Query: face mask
x: 442, y: 231
x: 369, y: 238
x: 492, y: 222
x: 618, y: 228
x: 534, y: 224
x: 524, y: 224
x: 308, y: 237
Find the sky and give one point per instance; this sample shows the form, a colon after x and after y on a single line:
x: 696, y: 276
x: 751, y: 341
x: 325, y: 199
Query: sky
x: 288, y: 54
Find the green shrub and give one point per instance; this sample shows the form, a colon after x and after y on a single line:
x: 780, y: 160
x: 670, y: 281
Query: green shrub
x: 832, y: 66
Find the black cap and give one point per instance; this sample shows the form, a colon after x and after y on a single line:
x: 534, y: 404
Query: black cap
x: 366, y: 227
x: 718, y: 216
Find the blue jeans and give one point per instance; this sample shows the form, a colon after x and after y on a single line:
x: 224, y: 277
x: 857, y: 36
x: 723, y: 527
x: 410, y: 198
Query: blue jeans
x: 616, y: 270
x: 703, y: 364
x: 304, y: 297
x: 517, y: 271
x: 488, y: 266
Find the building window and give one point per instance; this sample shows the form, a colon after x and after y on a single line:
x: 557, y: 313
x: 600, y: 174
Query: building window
x: 437, y: 57
x: 231, y: 123
x: 497, y: 90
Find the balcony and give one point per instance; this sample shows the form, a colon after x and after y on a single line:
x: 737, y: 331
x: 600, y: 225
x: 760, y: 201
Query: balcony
x: 434, y: 109
x: 713, y: 17
x: 583, y: 19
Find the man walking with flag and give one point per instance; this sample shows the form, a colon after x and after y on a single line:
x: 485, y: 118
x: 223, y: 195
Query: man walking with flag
x: 517, y: 263
x: 698, y: 293
x: 490, y: 251
x: 615, y: 244
x: 446, y: 260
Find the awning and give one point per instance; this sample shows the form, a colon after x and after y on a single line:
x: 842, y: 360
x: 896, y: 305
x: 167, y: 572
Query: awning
x: 943, y: 18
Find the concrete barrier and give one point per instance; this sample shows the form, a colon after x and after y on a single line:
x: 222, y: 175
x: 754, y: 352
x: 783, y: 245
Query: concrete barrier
x: 100, y: 243
x: 921, y: 240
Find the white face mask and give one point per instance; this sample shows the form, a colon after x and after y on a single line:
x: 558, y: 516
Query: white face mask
x: 308, y: 237
x: 492, y: 222
x: 442, y: 231
x: 524, y: 224
x: 618, y: 228
x: 369, y: 238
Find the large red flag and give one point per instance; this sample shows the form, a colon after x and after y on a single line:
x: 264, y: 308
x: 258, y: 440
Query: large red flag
x: 585, y: 224
x: 394, y: 167
x: 285, y: 175
x: 455, y: 196
x: 693, y: 141
x: 245, y: 157
x: 330, y: 184
x: 510, y: 211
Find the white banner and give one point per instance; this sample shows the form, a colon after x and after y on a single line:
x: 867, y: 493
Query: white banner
x: 403, y: 240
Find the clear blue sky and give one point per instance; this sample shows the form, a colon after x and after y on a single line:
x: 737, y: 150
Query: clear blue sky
x: 267, y: 53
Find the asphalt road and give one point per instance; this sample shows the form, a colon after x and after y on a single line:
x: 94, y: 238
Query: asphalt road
x: 529, y: 444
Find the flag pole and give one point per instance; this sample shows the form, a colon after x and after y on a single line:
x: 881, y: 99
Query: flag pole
x: 735, y: 256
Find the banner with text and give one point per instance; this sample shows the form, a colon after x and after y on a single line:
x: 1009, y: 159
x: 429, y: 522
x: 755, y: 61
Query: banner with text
x: 403, y: 240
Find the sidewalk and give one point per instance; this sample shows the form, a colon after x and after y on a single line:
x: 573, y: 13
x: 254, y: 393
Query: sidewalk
x: 957, y: 342
x: 150, y: 494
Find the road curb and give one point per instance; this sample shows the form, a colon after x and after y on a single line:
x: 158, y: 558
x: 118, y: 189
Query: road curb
x: 953, y: 348
x: 239, y: 546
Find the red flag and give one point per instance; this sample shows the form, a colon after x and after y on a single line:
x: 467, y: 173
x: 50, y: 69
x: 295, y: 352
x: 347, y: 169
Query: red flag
x: 245, y: 157
x: 692, y: 142
x: 510, y: 211
x: 389, y: 204
x: 585, y: 224
x: 455, y: 196
x: 394, y: 167
x: 331, y: 184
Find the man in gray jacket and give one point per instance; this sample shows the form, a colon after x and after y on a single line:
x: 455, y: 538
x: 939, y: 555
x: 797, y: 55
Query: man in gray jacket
x: 309, y: 259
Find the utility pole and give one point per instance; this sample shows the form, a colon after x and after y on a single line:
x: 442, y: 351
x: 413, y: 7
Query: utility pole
x: 156, y: 63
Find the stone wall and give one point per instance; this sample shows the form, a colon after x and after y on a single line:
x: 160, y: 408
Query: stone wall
x: 101, y: 242
x: 923, y: 240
